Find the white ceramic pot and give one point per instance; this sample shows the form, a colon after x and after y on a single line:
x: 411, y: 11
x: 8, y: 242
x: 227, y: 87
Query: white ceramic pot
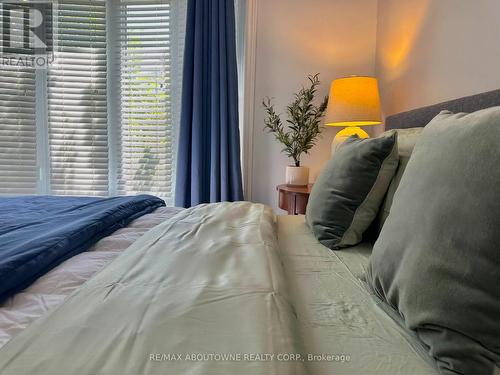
x: 297, y: 176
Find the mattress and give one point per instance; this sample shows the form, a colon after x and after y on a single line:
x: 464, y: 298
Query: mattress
x: 50, y: 290
x: 337, y: 315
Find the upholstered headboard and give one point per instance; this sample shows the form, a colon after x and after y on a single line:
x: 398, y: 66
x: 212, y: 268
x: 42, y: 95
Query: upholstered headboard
x: 421, y: 116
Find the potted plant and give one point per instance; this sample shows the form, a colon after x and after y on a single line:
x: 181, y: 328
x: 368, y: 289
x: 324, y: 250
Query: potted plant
x: 302, y: 130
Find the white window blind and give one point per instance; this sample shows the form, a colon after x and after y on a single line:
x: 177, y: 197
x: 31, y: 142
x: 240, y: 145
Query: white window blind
x: 18, y: 168
x: 145, y: 144
x: 78, y: 134
x: 100, y: 119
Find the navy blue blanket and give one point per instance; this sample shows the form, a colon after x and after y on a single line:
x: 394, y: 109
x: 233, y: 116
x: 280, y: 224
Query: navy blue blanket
x: 39, y: 232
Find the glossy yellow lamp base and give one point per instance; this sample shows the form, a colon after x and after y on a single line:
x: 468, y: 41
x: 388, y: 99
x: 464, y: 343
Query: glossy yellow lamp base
x: 346, y: 133
x: 352, y: 130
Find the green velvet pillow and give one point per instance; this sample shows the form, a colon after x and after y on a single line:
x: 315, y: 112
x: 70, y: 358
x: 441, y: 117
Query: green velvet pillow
x: 349, y: 191
x: 406, y: 142
x: 437, y: 259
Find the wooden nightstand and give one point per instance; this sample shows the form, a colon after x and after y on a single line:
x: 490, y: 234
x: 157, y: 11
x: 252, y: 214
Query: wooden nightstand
x: 293, y: 199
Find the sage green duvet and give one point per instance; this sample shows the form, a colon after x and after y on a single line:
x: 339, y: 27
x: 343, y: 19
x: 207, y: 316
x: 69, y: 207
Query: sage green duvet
x: 208, y: 281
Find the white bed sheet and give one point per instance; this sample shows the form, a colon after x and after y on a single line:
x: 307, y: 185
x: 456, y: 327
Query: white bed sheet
x: 50, y: 290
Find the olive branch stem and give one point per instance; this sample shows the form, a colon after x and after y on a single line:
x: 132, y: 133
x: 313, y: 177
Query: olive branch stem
x: 303, y: 125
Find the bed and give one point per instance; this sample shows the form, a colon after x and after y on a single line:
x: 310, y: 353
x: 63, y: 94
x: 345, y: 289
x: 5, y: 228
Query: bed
x: 215, y: 289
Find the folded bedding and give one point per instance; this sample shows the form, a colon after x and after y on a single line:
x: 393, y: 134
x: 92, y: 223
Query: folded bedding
x: 50, y: 290
x: 39, y: 232
x: 204, y: 284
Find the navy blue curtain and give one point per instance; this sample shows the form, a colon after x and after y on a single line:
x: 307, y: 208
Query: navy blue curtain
x: 208, y: 160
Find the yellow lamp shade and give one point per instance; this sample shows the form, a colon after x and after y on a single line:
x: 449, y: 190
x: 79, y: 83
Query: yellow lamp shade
x: 353, y: 101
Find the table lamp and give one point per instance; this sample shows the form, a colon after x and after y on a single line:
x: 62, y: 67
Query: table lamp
x: 353, y: 102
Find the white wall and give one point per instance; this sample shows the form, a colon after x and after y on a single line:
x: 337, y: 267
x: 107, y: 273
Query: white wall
x: 422, y: 51
x: 433, y: 50
x: 295, y: 38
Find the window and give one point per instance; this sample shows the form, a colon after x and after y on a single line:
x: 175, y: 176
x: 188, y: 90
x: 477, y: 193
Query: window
x: 18, y: 168
x: 146, y: 122
x: 99, y: 120
x: 18, y: 158
x: 77, y: 102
